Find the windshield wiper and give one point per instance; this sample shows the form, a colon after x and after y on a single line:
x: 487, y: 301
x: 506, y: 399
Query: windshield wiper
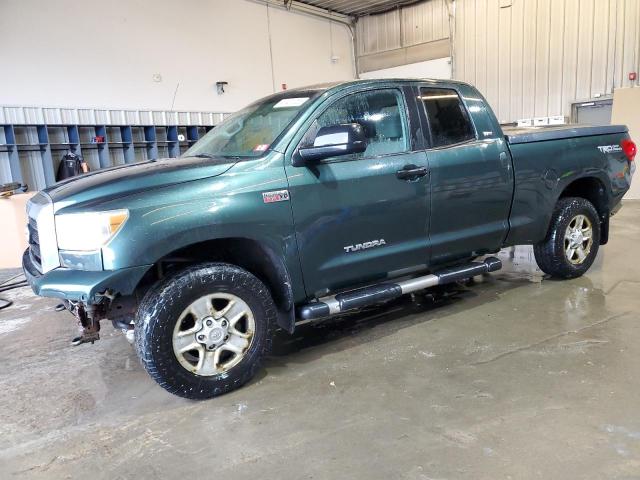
x: 203, y: 155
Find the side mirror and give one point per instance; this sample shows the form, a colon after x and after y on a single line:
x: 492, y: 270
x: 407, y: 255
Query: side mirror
x: 332, y: 141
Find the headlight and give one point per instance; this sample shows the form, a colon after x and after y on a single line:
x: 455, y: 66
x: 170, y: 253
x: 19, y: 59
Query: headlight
x: 88, y: 231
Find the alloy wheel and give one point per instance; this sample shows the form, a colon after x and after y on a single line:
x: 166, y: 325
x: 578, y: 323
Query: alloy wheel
x: 213, y: 334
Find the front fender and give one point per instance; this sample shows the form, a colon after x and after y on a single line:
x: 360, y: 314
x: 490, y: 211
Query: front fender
x: 165, y: 220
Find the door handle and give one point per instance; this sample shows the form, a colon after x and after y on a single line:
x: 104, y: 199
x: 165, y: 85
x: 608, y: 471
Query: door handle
x: 504, y: 160
x: 411, y: 172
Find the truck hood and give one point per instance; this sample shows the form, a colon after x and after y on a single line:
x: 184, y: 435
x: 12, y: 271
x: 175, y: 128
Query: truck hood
x: 116, y: 182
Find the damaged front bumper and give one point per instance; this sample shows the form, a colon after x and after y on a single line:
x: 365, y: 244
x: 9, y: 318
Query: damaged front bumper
x: 79, y: 285
x: 88, y: 295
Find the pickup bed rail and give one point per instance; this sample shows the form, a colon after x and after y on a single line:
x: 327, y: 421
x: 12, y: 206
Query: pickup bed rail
x: 540, y: 134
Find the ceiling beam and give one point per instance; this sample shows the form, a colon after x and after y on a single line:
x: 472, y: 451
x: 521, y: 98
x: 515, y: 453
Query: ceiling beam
x: 360, y: 7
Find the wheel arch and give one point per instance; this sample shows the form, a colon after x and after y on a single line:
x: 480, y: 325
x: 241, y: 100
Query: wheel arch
x: 593, y: 189
x: 249, y: 254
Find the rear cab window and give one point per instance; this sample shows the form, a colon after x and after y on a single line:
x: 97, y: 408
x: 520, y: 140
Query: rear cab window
x: 449, y: 121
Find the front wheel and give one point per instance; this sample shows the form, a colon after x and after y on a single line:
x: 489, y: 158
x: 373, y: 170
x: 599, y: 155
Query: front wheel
x: 203, y: 331
x: 573, y: 239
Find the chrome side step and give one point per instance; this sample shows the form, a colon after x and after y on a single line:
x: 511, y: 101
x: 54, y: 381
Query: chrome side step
x: 383, y: 292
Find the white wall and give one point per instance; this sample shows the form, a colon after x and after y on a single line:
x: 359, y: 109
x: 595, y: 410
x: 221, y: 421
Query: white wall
x: 439, y: 68
x: 96, y: 53
x: 626, y: 104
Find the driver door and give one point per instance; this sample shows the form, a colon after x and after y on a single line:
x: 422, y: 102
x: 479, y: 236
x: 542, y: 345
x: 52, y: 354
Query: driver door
x: 357, y: 219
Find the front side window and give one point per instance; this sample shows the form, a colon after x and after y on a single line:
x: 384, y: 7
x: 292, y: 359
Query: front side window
x: 448, y: 118
x: 380, y: 114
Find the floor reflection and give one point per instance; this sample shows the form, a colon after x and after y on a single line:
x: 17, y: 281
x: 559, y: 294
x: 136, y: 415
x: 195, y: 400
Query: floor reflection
x: 519, y: 259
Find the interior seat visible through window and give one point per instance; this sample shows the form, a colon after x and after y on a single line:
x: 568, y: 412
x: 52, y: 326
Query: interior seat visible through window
x: 389, y: 138
x: 448, y: 118
x: 380, y: 114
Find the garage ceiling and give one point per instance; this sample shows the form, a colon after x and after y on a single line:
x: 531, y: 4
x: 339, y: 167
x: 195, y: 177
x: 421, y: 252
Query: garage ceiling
x: 358, y: 7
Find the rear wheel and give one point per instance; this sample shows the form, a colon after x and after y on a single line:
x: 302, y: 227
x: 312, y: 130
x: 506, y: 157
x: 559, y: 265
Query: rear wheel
x: 204, y: 331
x: 573, y: 239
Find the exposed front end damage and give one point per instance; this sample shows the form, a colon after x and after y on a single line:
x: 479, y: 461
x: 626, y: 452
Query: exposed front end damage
x: 110, y: 306
x: 88, y: 317
x: 90, y: 296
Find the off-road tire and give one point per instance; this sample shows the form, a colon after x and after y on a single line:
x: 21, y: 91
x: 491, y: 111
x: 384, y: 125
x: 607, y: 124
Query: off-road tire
x: 550, y: 253
x: 161, y: 307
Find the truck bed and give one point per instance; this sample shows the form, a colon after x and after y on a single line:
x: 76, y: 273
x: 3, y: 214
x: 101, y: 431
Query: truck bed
x: 516, y: 135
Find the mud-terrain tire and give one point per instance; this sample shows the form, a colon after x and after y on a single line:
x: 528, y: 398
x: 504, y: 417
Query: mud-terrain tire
x: 171, y: 313
x: 555, y: 255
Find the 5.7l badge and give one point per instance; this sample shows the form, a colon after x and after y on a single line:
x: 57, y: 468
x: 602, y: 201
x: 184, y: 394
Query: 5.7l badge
x: 276, y: 196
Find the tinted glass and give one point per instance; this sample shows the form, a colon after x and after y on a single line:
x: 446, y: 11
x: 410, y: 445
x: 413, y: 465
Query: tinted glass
x: 379, y: 113
x: 448, y: 119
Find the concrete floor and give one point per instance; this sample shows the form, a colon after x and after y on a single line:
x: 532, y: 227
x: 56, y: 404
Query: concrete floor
x: 516, y: 377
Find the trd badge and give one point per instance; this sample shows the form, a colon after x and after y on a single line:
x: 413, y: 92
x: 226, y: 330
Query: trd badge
x: 610, y: 148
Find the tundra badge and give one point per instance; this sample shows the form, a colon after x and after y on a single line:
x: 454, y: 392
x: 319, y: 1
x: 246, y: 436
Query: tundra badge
x: 277, y: 196
x: 364, y: 246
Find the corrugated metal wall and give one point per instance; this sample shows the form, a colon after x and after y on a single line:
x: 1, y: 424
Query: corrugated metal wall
x: 532, y: 58
x: 403, y: 27
x: 425, y: 22
x: 378, y: 33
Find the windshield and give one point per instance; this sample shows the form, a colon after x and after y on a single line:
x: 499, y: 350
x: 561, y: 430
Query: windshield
x: 251, y: 131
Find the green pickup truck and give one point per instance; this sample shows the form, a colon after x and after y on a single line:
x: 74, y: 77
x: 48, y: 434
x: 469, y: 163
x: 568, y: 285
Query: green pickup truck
x: 310, y: 203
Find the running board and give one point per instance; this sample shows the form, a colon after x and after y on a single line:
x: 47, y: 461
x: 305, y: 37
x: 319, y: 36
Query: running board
x: 383, y: 292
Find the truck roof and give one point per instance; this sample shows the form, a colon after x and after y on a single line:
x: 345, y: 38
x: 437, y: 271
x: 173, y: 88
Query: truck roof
x: 374, y: 81
x: 319, y: 88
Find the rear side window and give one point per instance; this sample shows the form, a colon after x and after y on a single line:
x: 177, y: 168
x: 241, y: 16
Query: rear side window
x: 448, y: 119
